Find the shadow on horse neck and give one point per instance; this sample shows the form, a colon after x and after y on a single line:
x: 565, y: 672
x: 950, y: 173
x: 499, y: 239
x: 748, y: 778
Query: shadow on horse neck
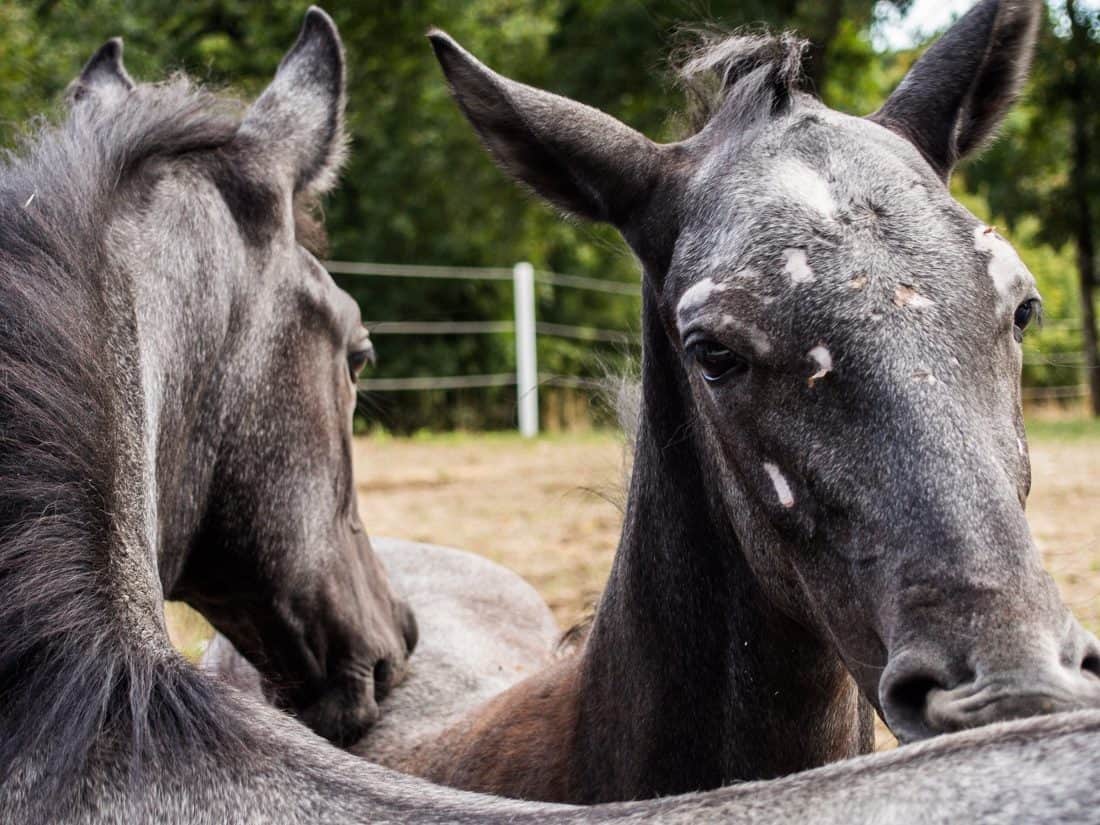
x: 827, y: 506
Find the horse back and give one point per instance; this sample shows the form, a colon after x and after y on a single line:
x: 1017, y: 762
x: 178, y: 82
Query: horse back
x: 518, y: 744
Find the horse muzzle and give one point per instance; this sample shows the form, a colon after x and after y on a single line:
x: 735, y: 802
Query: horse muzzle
x: 920, y: 697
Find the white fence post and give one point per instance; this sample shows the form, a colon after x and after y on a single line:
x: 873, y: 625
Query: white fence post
x: 527, y: 370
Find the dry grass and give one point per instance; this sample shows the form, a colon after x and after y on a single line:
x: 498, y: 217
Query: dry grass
x: 550, y: 510
x: 1064, y: 512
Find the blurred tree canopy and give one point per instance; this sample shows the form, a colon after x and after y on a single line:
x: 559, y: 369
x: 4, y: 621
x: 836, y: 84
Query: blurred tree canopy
x: 418, y: 188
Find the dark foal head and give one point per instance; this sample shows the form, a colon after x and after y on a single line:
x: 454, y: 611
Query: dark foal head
x: 850, y: 345
x: 249, y: 355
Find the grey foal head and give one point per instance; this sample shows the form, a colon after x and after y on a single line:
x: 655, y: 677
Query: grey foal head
x: 849, y: 338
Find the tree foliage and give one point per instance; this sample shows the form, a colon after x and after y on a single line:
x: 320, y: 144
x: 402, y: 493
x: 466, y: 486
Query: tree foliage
x: 1036, y: 183
x: 418, y: 188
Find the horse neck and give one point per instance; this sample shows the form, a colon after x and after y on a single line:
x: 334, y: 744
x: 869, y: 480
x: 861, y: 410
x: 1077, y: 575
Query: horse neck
x: 689, y: 670
x: 82, y: 623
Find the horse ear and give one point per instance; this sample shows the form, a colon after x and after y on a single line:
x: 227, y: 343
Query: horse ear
x: 298, y: 121
x: 104, y: 78
x: 576, y: 157
x: 956, y: 95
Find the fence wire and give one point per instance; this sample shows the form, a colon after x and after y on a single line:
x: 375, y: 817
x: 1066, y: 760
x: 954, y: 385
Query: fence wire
x: 580, y: 332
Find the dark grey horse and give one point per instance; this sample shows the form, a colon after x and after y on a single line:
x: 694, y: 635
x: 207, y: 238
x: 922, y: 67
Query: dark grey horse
x: 827, y: 506
x: 176, y: 386
x: 100, y: 721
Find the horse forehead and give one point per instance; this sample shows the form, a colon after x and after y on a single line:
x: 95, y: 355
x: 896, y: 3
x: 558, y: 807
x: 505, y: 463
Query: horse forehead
x: 178, y: 230
x: 800, y: 154
x: 795, y: 256
x: 802, y: 285
x: 809, y: 229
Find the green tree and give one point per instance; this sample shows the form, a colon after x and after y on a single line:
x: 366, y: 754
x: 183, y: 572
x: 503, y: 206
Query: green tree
x: 419, y: 189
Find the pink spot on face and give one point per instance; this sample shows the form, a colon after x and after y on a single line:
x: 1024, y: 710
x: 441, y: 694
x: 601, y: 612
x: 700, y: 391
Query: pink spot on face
x: 906, y: 296
x: 924, y: 376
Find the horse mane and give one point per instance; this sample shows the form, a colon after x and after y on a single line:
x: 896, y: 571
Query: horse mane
x: 75, y: 669
x: 711, y: 64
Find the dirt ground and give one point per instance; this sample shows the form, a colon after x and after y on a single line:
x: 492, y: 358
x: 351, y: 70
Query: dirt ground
x: 1064, y: 512
x: 550, y: 509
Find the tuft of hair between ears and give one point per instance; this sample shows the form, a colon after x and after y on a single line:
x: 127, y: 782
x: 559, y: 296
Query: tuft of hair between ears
x: 711, y: 63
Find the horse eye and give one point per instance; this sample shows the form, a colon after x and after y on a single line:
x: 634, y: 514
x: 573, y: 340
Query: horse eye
x: 1025, y: 314
x: 359, y: 357
x: 716, y: 362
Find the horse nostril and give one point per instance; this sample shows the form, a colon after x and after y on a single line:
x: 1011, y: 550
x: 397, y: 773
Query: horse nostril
x: 905, y: 705
x: 383, y: 679
x: 911, y: 695
x: 1091, y: 664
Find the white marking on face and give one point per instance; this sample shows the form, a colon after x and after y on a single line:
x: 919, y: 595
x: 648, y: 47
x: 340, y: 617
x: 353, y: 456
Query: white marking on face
x: 797, y: 266
x: 1005, y: 267
x: 756, y: 336
x: 906, y: 296
x: 804, y: 185
x: 697, y: 295
x: 779, y: 481
x: 824, y: 360
x: 1021, y: 447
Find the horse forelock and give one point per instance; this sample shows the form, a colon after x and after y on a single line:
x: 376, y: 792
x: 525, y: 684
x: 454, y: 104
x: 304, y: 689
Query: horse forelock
x: 711, y: 64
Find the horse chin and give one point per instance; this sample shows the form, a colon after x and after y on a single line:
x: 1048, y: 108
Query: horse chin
x: 349, y: 705
x: 344, y: 713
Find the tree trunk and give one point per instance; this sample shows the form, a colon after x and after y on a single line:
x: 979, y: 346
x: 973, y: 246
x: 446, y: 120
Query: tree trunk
x: 1085, y: 230
x: 1086, y: 264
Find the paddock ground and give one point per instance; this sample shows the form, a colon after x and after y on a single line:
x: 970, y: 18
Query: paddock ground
x: 550, y: 509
